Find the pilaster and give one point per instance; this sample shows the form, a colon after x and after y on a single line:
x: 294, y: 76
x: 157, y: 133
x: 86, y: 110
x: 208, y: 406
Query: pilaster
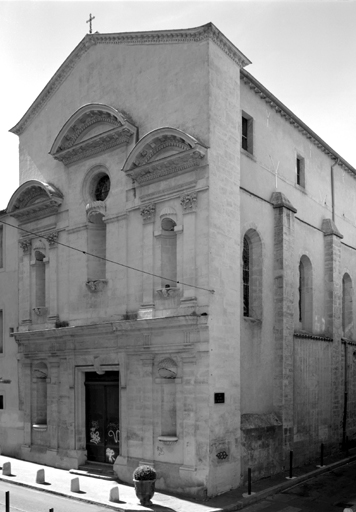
x: 148, y: 218
x: 51, y: 277
x: 284, y: 219
x: 189, y: 205
x: 147, y: 408
x: 333, y: 314
x: 53, y: 398
x: 25, y: 284
x: 26, y: 376
x: 188, y: 389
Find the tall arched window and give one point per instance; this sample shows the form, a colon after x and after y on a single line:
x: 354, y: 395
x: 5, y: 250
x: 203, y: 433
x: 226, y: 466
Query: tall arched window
x: 305, y: 289
x: 252, y: 275
x: 347, y: 317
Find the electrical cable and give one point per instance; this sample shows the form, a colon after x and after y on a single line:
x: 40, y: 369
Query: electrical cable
x: 106, y: 259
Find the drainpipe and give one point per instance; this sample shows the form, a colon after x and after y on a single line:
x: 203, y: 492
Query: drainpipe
x: 333, y: 190
x: 345, y: 401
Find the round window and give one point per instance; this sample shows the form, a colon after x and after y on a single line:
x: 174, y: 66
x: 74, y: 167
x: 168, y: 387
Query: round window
x: 102, y: 188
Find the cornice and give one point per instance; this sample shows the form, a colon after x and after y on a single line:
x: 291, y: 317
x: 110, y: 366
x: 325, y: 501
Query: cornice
x: 292, y: 119
x: 130, y: 326
x: 198, y: 34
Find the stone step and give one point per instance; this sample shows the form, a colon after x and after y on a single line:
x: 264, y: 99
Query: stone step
x: 95, y: 470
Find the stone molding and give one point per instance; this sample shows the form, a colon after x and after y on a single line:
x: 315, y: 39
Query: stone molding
x: 328, y: 227
x: 169, y: 192
x: 198, y: 34
x: 69, y: 146
x: 279, y: 200
x: 143, y: 165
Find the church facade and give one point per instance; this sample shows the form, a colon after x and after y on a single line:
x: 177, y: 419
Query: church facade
x: 184, y: 247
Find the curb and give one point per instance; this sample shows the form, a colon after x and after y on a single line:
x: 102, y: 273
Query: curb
x: 259, y: 496
x: 238, y: 505
x: 77, y: 498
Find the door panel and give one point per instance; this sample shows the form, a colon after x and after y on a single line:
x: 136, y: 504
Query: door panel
x: 102, y: 419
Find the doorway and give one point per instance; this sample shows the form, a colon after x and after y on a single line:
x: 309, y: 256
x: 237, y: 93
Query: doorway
x: 102, y: 416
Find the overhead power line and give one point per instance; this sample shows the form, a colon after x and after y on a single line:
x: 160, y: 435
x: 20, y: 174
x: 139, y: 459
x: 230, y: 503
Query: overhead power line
x: 106, y: 259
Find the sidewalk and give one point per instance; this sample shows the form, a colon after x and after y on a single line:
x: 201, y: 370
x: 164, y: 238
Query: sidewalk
x: 96, y: 490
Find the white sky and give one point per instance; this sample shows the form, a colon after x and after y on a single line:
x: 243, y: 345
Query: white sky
x: 302, y: 51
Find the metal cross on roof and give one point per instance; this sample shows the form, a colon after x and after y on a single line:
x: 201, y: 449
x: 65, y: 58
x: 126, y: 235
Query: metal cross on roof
x: 91, y: 18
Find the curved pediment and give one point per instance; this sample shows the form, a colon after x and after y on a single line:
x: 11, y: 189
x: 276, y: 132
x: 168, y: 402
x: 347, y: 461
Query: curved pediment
x: 162, y: 153
x: 34, y: 199
x: 93, y: 129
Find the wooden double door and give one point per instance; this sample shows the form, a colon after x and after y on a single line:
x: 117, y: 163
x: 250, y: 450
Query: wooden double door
x: 102, y: 416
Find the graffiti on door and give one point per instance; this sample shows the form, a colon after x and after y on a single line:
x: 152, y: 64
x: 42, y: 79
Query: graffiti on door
x: 113, y: 430
x: 94, y: 432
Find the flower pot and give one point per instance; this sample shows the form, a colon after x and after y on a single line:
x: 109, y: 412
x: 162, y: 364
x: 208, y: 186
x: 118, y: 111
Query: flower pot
x: 145, y: 489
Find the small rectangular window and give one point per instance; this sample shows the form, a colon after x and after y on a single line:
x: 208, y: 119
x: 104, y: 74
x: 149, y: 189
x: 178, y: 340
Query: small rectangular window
x: 1, y: 247
x: 1, y: 402
x: 300, y: 170
x: 247, y: 133
x: 1, y: 332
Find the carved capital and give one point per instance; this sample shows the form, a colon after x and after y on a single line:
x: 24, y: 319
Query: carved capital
x: 96, y: 285
x: 52, y: 238
x: 25, y: 245
x: 189, y: 201
x: 148, y: 212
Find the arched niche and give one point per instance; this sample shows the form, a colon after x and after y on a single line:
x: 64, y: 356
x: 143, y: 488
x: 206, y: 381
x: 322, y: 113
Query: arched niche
x: 163, y: 153
x: 34, y: 199
x: 92, y: 129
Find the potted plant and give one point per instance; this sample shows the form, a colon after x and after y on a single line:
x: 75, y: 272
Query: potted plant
x: 144, y: 478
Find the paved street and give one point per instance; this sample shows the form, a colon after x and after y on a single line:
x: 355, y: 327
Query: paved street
x: 330, y: 492
x: 23, y: 499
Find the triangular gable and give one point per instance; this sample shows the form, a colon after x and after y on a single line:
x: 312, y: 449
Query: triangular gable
x: 197, y: 34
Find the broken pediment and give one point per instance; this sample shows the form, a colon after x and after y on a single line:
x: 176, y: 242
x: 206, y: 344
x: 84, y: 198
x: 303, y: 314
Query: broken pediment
x: 163, y: 153
x: 34, y: 199
x: 94, y: 128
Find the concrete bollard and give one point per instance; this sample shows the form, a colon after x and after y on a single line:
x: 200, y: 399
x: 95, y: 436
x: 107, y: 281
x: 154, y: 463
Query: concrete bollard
x: 6, y: 469
x: 114, y: 494
x: 74, y: 485
x: 40, y: 476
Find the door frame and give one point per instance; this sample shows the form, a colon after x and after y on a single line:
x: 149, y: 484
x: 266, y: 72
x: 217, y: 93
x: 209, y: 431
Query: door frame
x: 79, y: 399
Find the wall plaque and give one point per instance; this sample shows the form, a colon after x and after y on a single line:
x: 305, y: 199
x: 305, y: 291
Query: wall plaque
x: 219, y: 398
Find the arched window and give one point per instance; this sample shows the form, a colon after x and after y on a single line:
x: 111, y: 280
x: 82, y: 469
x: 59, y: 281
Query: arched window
x: 305, y: 289
x: 347, y: 320
x: 168, y: 252
x: 252, y: 275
